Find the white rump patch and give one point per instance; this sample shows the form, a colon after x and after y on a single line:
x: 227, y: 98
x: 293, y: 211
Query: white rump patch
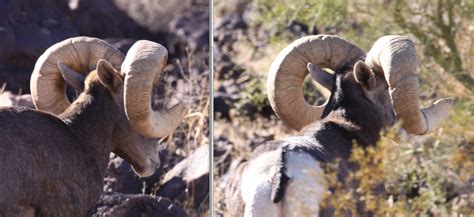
x: 256, y: 185
x: 306, y: 187
x: 302, y: 196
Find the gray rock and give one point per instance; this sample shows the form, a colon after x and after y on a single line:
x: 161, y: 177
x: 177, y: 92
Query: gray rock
x: 188, y: 181
x: 192, y: 27
x: 7, y: 98
x: 139, y: 205
x: 121, y: 178
x: 29, y: 27
x: 105, y: 19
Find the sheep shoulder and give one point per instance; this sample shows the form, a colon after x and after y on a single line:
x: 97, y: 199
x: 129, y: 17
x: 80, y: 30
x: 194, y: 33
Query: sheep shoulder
x: 39, y: 151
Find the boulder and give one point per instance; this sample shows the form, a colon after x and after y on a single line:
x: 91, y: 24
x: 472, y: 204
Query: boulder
x: 139, y: 205
x: 106, y: 19
x: 188, y: 181
x: 192, y: 28
x: 28, y: 27
x: 7, y: 98
x: 121, y: 178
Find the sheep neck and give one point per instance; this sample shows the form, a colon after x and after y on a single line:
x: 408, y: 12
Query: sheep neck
x: 90, y: 117
x: 348, y: 107
x: 356, y: 126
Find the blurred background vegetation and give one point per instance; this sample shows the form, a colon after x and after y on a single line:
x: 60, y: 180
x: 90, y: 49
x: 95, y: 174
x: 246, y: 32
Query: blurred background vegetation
x: 442, y: 28
x: 428, y: 175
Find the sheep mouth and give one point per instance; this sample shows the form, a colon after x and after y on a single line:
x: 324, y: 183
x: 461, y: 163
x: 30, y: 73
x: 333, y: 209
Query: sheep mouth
x: 148, y: 168
x: 156, y: 163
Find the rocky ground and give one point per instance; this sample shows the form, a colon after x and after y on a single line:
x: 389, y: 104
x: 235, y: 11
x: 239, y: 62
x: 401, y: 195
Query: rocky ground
x: 28, y: 28
x: 244, y: 118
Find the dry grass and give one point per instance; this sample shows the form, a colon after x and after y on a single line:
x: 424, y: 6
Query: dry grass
x: 192, y: 89
x: 188, y: 84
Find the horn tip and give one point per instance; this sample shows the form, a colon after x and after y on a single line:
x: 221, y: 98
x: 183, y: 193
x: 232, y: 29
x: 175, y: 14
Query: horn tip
x: 437, y: 113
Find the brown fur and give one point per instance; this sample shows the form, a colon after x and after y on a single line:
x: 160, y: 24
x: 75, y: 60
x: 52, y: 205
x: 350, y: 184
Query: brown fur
x: 56, y: 164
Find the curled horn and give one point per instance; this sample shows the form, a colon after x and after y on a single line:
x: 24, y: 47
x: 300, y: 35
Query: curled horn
x: 143, y: 66
x: 289, y: 69
x: 80, y: 54
x: 394, y: 57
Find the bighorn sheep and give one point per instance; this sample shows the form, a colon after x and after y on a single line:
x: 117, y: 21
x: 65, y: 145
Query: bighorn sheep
x: 53, y: 163
x: 284, y: 177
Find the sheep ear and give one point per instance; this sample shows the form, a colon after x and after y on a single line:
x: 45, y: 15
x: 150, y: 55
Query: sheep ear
x: 324, y: 78
x: 364, y: 75
x: 73, y: 78
x: 108, y: 76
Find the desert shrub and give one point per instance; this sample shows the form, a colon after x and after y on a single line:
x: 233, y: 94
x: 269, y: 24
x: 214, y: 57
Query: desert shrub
x: 429, y: 175
x: 253, y: 95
